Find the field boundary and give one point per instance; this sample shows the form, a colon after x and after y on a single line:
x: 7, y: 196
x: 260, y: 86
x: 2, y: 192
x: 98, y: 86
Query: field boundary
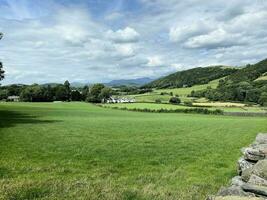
x: 192, y: 110
x: 189, y: 110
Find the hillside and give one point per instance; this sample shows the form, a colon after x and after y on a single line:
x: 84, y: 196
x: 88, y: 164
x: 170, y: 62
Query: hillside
x: 241, y: 86
x: 188, y: 78
x: 249, y: 73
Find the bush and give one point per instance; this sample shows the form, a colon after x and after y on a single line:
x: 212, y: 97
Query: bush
x: 188, y: 103
x: 157, y: 101
x: 175, y: 100
x: 162, y: 110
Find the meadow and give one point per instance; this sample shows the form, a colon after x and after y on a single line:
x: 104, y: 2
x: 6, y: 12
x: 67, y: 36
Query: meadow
x: 82, y: 151
x: 164, y: 94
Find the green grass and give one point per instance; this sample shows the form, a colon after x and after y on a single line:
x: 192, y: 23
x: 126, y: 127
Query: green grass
x: 182, y: 92
x: 81, y: 151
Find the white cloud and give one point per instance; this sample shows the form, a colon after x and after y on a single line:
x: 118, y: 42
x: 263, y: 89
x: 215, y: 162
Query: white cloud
x: 127, y: 35
x: 45, y: 41
x: 215, y: 39
x: 155, y: 61
x: 179, y: 33
x: 125, y: 49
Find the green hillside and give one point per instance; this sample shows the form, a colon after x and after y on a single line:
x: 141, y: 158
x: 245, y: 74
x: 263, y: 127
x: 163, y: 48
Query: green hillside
x: 249, y: 73
x: 188, y: 78
x: 241, y: 86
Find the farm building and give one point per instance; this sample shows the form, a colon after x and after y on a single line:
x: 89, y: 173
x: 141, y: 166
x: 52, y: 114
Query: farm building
x: 119, y: 100
x: 13, y: 98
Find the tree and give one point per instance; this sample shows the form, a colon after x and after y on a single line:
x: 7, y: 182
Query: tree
x: 76, y: 95
x: 105, y: 93
x: 263, y: 99
x: 68, y: 90
x: 1, y: 71
x: 175, y: 100
x: 85, y: 92
x: 61, y: 93
x: 94, y: 93
x: 33, y: 93
x: 3, y: 94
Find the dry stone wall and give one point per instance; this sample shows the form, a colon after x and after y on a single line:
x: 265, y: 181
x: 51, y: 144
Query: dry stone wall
x: 251, y: 180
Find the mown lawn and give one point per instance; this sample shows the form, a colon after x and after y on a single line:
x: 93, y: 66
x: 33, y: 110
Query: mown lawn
x: 81, y: 151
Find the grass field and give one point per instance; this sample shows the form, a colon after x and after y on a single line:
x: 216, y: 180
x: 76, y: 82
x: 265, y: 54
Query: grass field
x: 81, y: 151
x: 182, y: 92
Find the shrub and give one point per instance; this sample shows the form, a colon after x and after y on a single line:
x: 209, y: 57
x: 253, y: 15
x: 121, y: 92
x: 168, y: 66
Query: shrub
x: 188, y: 103
x: 157, y: 101
x: 175, y: 100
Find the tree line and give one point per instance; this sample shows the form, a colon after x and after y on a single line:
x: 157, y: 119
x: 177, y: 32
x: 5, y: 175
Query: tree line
x: 56, y: 92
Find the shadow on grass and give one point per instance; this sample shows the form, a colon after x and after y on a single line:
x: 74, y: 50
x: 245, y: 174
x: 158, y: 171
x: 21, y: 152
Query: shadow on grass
x: 12, y: 118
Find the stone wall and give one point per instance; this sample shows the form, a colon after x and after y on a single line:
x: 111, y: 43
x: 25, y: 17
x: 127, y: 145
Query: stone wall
x: 251, y: 180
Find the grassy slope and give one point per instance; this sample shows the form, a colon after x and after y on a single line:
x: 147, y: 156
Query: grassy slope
x: 80, y: 151
x: 182, y: 92
x: 191, y: 77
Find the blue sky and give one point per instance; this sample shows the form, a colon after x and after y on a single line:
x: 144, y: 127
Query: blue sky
x: 103, y: 40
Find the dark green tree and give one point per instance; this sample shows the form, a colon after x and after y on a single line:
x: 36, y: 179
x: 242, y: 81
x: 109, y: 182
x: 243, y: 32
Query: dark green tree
x: 68, y: 90
x: 263, y: 99
x: 61, y: 93
x: 106, y: 93
x: 175, y: 100
x: 76, y: 95
x: 94, y: 93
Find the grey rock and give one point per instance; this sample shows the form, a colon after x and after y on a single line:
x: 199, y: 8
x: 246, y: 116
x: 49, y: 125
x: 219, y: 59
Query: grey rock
x: 234, y: 198
x: 246, y: 174
x: 256, y: 180
x: 261, y: 138
x: 237, y: 181
x: 261, y: 147
x: 260, y: 169
x: 232, y: 191
x: 243, y: 164
x: 258, y: 190
x: 253, y: 154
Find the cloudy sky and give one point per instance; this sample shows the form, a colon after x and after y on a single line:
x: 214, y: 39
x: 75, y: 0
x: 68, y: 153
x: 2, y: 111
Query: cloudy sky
x: 102, y: 40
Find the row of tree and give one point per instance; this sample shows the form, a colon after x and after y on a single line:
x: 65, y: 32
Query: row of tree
x: 245, y: 91
x: 58, y: 92
x: 242, y: 86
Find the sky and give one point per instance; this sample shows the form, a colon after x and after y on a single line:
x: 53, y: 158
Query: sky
x: 93, y: 41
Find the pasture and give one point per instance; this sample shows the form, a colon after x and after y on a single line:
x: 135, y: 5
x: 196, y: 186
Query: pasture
x: 81, y: 151
x: 164, y: 94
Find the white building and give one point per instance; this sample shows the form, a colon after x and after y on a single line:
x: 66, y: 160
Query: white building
x: 119, y: 100
x: 13, y: 98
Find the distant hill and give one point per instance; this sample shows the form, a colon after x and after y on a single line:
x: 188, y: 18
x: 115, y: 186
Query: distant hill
x: 248, y: 84
x: 195, y: 76
x: 130, y: 82
x: 249, y: 73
